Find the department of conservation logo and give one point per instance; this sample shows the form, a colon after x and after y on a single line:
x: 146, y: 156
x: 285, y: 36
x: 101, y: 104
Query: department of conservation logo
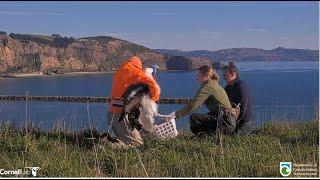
x: 285, y: 168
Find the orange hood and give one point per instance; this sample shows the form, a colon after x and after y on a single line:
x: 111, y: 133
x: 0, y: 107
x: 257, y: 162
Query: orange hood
x: 131, y: 73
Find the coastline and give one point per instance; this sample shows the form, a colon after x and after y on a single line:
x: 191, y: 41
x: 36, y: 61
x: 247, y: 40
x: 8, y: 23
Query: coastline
x: 41, y: 74
x: 38, y: 74
x: 87, y: 72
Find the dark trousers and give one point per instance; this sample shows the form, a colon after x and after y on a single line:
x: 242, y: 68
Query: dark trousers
x: 244, y: 128
x: 203, y: 123
x: 211, y: 122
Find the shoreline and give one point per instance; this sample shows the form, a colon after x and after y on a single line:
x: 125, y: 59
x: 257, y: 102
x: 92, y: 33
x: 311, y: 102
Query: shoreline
x: 37, y: 74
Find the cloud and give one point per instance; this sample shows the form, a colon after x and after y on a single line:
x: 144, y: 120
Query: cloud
x: 163, y: 14
x: 257, y: 30
x: 28, y: 13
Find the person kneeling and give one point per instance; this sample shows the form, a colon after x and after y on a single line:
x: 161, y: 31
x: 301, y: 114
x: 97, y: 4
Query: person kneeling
x: 222, y: 114
x: 133, y: 103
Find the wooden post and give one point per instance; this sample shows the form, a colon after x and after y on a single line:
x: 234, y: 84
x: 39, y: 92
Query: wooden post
x: 82, y: 99
x: 26, y: 120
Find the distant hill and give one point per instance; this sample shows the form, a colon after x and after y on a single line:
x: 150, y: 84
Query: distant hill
x: 249, y: 54
x: 26, y: 53
x: 187, y: 63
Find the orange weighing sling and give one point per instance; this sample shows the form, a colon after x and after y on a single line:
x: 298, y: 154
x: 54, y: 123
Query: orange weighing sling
x: 131, y: 73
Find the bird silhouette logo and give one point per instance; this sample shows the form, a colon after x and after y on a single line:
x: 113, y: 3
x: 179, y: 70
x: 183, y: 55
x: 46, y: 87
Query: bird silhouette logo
x: 33, y: 170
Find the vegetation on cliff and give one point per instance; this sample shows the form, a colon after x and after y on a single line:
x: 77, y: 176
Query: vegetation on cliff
x: 27, y: 53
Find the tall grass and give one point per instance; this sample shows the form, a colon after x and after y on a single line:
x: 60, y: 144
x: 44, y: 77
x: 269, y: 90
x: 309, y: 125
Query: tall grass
x: 62, y: 153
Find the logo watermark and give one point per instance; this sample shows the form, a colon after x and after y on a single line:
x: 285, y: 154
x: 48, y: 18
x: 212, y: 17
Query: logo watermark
x: 306, y: 170
x: 285, y: 168
x: 27, y: 171
x: 33, y: 170
x: 299, y: 170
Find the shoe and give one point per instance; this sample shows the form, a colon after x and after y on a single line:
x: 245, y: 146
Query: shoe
x: 106, y: 137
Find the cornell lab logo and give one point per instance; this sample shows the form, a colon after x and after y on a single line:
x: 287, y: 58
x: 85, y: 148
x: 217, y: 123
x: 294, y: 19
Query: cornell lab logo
x: 285, y: 168
x: 28, y: 171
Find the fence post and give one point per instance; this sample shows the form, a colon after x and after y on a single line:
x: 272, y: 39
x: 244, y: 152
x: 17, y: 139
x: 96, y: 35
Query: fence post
x: 26, y: 120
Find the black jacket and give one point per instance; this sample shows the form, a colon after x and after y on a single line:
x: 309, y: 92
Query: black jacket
x: 239, y: 92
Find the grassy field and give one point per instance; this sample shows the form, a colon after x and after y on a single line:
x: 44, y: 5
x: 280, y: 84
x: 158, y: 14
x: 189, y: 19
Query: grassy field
x: 65, y: 154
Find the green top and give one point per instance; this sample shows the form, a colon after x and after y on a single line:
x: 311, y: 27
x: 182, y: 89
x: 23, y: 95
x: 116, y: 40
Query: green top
x: 211, y: 94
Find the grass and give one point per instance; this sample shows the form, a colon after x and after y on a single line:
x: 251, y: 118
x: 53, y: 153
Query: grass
x: 73, y: 154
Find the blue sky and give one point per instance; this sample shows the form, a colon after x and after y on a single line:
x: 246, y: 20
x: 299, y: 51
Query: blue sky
x: 172, y: 25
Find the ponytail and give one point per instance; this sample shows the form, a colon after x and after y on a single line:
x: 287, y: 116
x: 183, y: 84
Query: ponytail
x: 215, y: 76
x: 209, y: 71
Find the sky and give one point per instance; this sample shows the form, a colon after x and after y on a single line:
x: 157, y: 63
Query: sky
x: 172, y: 25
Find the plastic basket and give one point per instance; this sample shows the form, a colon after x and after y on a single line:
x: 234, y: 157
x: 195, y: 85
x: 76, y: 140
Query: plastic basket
x: 166, y: 130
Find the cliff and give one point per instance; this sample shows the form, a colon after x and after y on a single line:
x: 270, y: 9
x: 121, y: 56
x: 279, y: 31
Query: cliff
x: 26, y: 53
x: 32, y: 53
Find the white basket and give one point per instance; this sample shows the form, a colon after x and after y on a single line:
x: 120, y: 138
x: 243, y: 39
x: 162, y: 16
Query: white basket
x: 166, y: 130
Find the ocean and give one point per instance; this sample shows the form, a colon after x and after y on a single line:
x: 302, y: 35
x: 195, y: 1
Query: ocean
x: 282, y: 91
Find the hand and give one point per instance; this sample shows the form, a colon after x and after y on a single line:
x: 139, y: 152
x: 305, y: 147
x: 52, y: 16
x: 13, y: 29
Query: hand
x: 154, y: 67
x: 169, y: 117
x: 166, y: 119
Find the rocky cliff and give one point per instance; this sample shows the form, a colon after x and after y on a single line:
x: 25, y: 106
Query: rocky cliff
x: 26, y: 53
x: 32, y: 53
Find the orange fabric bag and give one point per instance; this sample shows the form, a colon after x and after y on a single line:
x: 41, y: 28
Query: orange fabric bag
x: 131, y: 73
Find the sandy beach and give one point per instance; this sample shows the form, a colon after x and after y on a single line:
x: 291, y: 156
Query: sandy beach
x: 27, y: 75
x: 40, y: 74
x: 81, y: 73
x: 37, y: 74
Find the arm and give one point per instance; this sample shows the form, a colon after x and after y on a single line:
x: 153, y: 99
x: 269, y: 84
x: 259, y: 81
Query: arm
x: 154, y: 89
x: 244, y: 94
x: 152, y: 84
x: 195, y: 104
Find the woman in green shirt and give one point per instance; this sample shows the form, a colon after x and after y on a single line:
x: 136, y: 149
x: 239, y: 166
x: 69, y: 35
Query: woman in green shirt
x: 216, y: 100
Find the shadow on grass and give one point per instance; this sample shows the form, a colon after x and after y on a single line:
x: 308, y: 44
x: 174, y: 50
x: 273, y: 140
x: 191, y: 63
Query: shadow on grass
x: 83, y: 139
x: 288, y: 133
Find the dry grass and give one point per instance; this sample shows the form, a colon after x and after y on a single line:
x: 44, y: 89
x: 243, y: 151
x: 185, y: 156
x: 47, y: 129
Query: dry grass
x: 61, y: 153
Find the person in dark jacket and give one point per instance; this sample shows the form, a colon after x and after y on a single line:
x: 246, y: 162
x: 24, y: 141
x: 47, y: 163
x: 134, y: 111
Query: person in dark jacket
x: 239, y: 92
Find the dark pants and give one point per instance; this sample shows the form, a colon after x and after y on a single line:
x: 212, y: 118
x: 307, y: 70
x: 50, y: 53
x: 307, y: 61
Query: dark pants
x: 211, y: 122
x: 244, y: 128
